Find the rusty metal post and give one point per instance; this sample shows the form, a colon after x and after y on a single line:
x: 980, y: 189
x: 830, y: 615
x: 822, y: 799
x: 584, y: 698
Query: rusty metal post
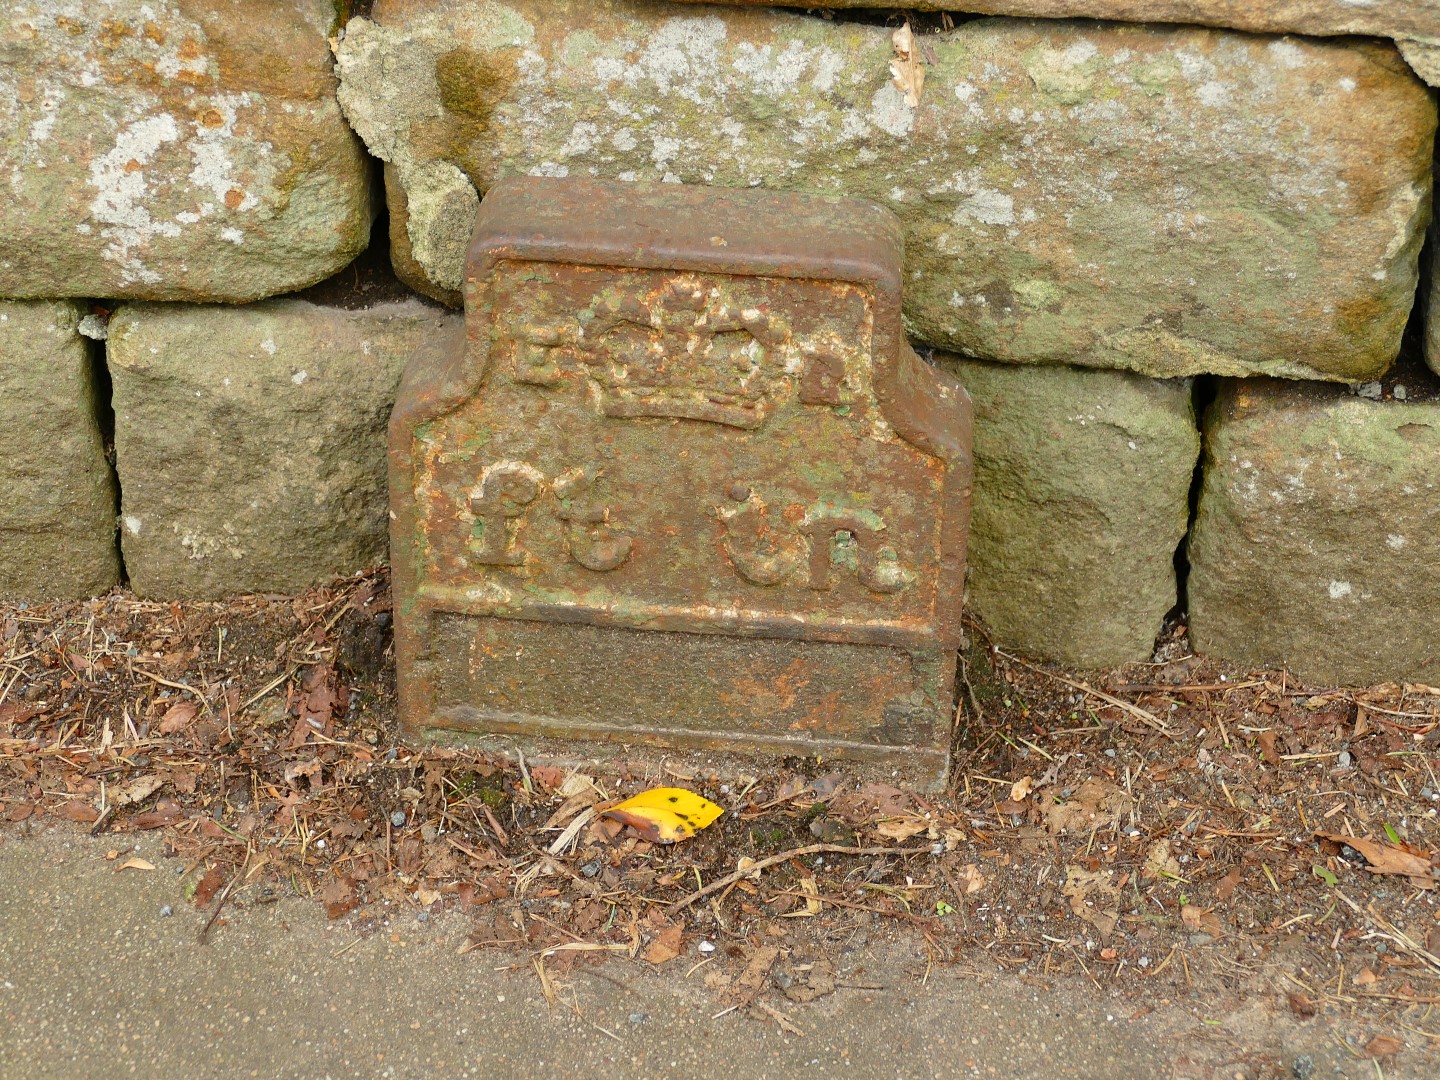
x: 683, y: 483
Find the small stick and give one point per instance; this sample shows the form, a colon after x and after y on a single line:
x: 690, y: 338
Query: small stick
x: 1120, y: 703
x: 811, y: 849
x: 224, y: 896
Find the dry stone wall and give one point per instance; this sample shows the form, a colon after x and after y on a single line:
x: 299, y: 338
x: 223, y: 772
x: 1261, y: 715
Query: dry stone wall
x: 1114, y: 210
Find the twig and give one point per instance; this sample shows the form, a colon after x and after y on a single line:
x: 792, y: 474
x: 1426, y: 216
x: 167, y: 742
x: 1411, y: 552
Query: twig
x: 1143, y: 715
x: 225, y: 894
x: 810, y: 849
x: 173, y: 685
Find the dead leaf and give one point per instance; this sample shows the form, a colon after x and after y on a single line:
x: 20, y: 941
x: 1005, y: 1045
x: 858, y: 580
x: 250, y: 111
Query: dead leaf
x: 1383, y: 1046
x: 1101, y: 912
x: 1387, y: 858
x: 180, y: 715
x: 901, y: 828
x: 1201, y: 919
x: 208, y: 886
x: 804, y: 982
x: 1159, y: 863
x: 166, y: 812
x: 970, y: 879
x: 79, y: 810
x: 811, y: 889
x: 1266, y: 739
x: 310, y: 770
x: 339, y: 897
x: 1095, y: 804
x: 1020, y: 789
x: 1300, y: 1005
x: 135, y: 864
x: 666, y: 945
x: 137, y: 790
x: 756, y: 975
x: 666, y: 815
x: 1364, y: 977
x: 906, y: 70
x: 1226, y: 888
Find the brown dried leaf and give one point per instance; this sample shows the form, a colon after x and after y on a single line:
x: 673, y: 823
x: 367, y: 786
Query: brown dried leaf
x: 1300, y: 1005
x: 906, y: 70
x: 970, y: 879
x: 1385, y: 858
x: 137, y: 790
x: 180, y: 715
x: 339, y: 897
x: 208, y: 886
x: 1102, y: 912
x: 166, y: 812
x: 1095, y: 804
x: 1266, y: 739
x: 135, y: 864
x: 1383, y: 1046
x: 79, y: 810
x: 901, y: 828
x: 1159, y: 863
x: 666, y: 945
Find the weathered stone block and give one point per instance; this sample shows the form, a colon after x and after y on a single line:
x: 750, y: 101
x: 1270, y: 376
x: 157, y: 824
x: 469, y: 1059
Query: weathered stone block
x: 1082, y: 482
x: 251, y: 441
x: 1317, y: 539
x: 174, y: 150
x: 685, y: 485
x: 1401, y: 19
x: 57, y: 495
x: 1169, y: 200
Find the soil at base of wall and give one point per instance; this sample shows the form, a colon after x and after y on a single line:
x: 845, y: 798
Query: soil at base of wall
x: 1179, y: 830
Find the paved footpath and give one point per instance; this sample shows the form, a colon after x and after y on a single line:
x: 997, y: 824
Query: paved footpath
x: 95, y: 982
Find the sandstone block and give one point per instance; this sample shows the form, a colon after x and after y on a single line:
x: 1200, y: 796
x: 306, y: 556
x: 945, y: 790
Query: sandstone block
x: 1400, y: 19
x: 251, y: 441
x: 1082, y: 481
x: 57, y: 494
x: 1168, y: 200
x: 1315, y: 545
x: 174, y: 149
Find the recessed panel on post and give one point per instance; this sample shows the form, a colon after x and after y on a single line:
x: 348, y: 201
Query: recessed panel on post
x: 683, y: 483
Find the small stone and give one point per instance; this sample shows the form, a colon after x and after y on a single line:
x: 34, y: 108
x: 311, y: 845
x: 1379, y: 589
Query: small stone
x: 639, y: 1017
x: 1303, y: 1067
x: 1369, y: 390
x: 398, y: 819
x: 93, y: 326
x: 1344, y: 759
x: 422, y: 916
x: 591, y: 868
x: 707, y: 946
x: 1400, y: 393
x: 166, y: 911
x: 1110, y: 752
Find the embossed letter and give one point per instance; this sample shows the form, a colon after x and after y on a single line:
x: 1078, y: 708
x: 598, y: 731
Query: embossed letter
x: 506, y: 488
x: 593, y: 541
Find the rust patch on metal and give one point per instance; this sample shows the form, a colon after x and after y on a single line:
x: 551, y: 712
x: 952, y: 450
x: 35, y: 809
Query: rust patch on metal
x: 683, y: 482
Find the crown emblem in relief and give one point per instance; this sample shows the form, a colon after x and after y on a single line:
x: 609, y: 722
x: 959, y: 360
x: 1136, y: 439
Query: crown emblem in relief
x: 681, y: 349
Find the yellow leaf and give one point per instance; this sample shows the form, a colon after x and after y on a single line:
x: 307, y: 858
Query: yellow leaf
x: 135, y: 864
x: 665, y: 815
